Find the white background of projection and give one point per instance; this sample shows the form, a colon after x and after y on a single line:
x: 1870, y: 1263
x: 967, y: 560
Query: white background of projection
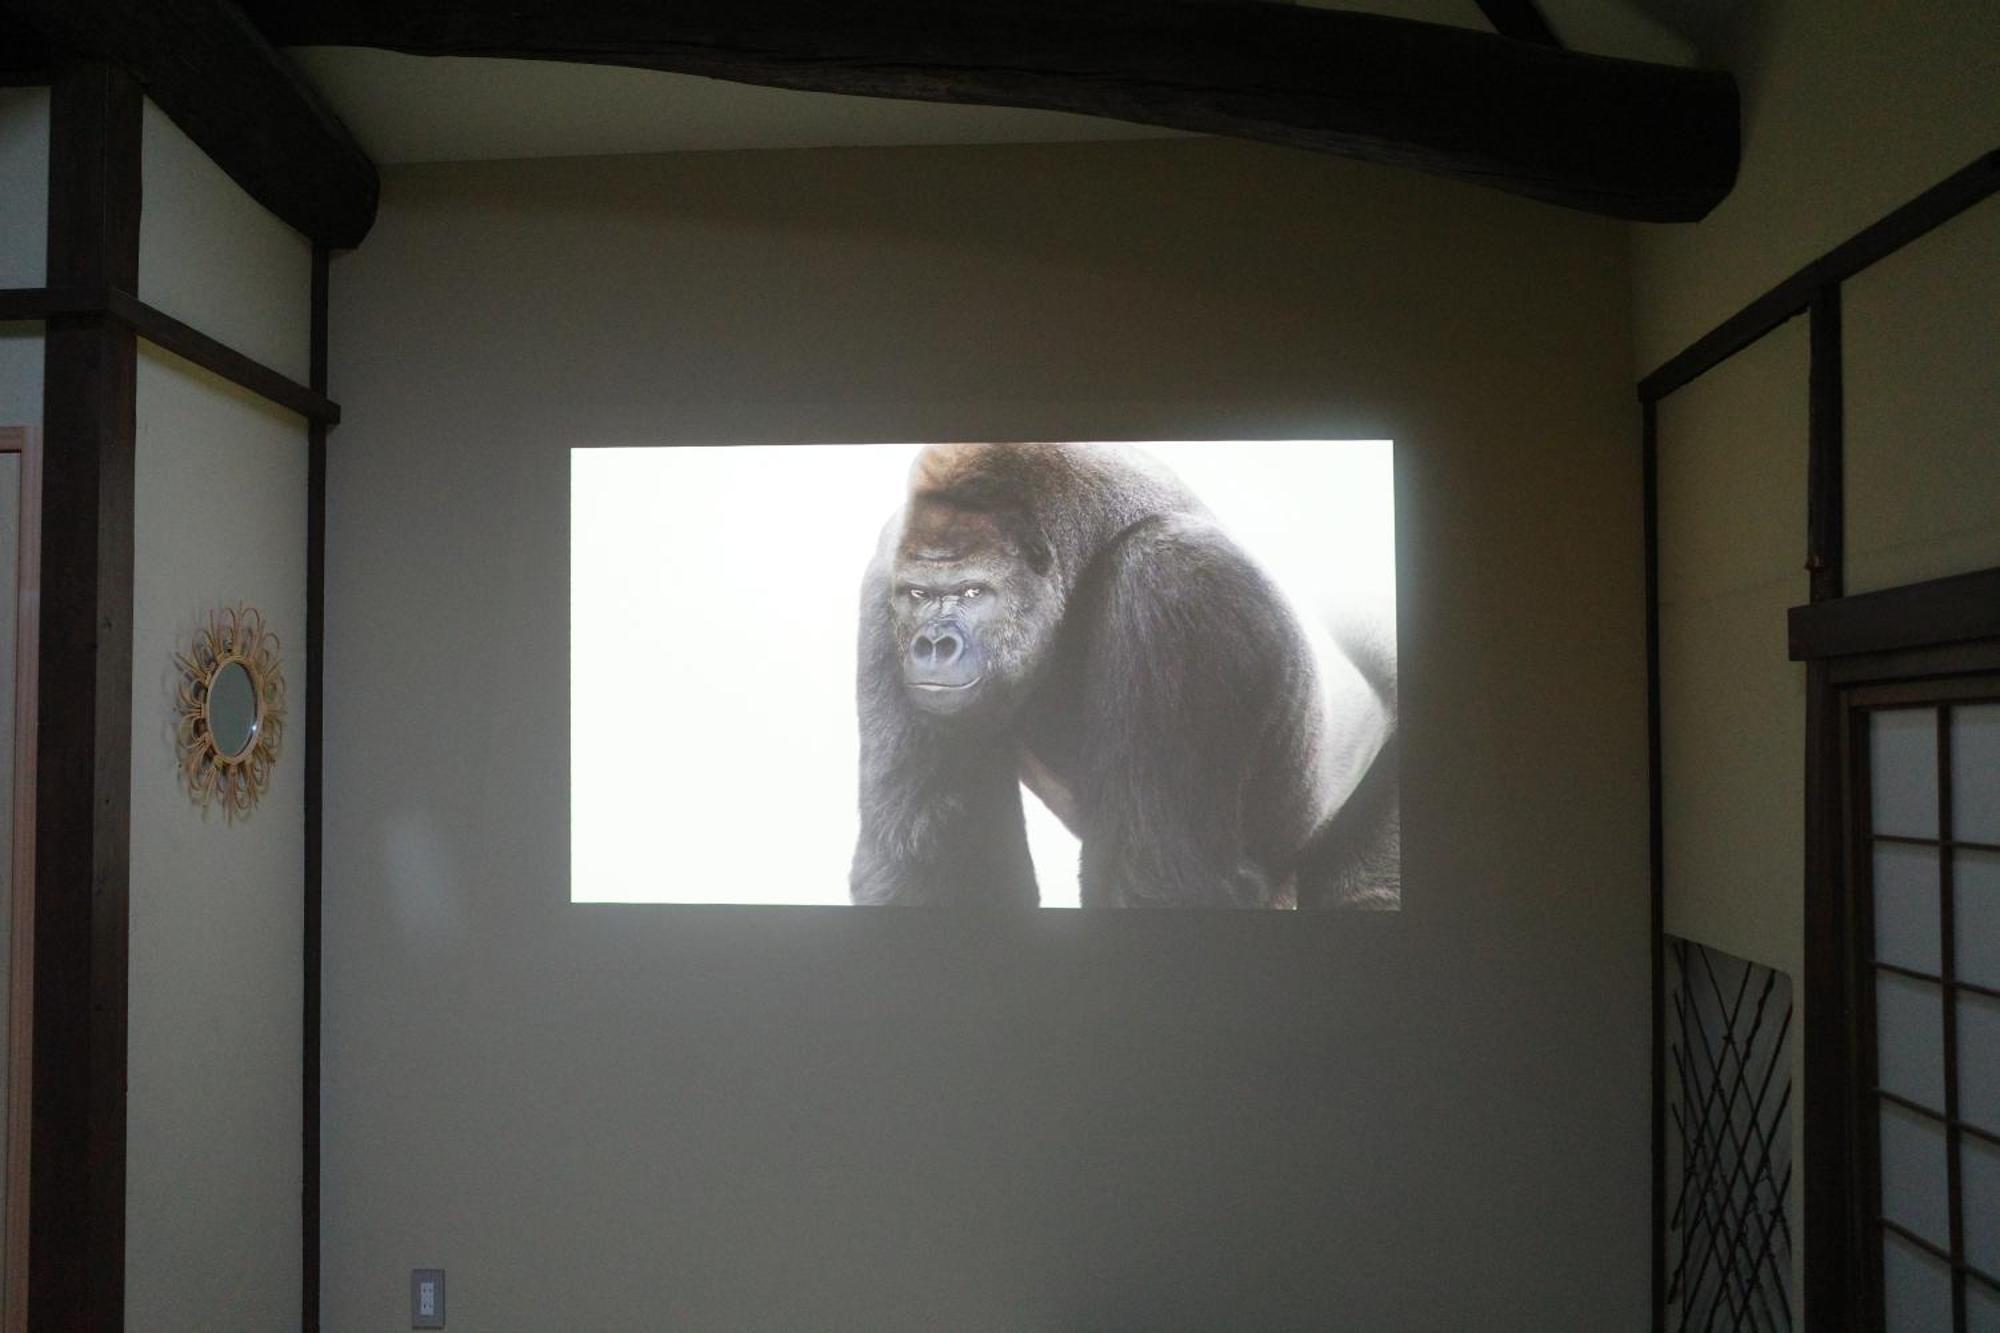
x: 713, y: 603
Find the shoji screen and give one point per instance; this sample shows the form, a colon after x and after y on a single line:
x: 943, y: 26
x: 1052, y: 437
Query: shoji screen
x: 1927, y: 861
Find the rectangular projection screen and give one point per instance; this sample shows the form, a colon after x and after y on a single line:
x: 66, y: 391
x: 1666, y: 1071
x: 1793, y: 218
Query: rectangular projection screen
x: 985, y: 675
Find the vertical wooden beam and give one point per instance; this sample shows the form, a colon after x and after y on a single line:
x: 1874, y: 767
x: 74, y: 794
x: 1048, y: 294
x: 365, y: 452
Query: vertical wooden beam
x: 25, y: 443
x: 1649, y: 463
x: 1826, y: 518
x: 1832, y: 1243
x: 1954, y: 1141
x: 76, y: 1265
x: 314, y: 789
x: 1826, y: 1103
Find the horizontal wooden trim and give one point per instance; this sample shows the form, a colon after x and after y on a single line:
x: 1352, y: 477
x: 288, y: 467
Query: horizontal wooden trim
x: 1790, y: 298
x: 1959, y: 609
x: 1963, y: 1126
x: 1949, y: 983
x: 18, y: 303
x: 1624, y: 138
x: 170, y: 334
x: 1946, y: 673
x: 1937, y: 1251
x: 1954, y: 844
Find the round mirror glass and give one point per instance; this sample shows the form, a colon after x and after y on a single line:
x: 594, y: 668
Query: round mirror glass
x: 232, y: 710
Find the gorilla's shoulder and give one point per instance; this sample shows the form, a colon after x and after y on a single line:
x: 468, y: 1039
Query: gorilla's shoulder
x: 1179, y: 577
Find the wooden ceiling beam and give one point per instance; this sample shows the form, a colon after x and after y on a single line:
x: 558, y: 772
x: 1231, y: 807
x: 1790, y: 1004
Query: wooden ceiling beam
x: 230, y: 90
x: 1616, y: 137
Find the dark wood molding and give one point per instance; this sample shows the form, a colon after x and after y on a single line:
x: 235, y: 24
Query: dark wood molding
x: 25, y: 443
x: 1959, y: 609
x: 18, y: 303
x: 1827, y: 1104
x: 309, y: 1160
x: 1827, y: 1100
x: 1649, y: 492
x: 1826, y: 451
x: 1623, y: 138
x: 76, y: 1261
x: 1521, y: 20
x: 1791, y: 298
x: 170, y: 334
x: 1920, y: 674
x: 216, y: 76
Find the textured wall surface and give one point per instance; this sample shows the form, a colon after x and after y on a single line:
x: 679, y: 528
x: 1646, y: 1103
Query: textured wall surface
x: 212, y: 1184
x: 635, y: 1117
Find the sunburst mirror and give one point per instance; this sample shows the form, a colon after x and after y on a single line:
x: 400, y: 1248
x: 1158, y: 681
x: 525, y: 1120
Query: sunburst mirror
x: 232, y: 710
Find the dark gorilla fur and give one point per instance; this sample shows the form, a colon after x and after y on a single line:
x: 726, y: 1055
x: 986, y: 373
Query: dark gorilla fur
x: 1072, y: 617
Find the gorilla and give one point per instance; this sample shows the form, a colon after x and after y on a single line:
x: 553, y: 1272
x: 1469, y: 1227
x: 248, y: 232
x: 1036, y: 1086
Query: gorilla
x: 1071, y: 617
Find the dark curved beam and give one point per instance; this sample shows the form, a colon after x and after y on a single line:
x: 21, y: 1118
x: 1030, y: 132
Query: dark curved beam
x: 1617, y: 137
x: 231, y: 92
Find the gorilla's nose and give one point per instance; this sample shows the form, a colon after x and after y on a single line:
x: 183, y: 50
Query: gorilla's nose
x: 936, y: 648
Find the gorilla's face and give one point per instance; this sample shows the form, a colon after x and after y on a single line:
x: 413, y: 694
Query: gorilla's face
x: 969, y: 612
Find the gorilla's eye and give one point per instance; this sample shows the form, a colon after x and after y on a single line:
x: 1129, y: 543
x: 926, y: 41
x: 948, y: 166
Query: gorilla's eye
x: 971, y: 592
x: 916, y: 594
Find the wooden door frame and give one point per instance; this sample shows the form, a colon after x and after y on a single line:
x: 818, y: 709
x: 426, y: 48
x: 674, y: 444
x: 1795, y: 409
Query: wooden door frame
x: 1908, y: 644
x: 26, y: 442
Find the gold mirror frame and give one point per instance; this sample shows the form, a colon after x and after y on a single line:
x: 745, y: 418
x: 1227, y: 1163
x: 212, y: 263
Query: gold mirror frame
x: 232, y: 635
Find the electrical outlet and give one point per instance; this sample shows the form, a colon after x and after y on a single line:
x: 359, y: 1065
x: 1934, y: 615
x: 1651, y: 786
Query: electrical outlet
x: 427, y: 1298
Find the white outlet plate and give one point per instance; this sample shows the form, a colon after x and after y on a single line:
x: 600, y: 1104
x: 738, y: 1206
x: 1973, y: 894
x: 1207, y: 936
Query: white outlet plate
x: 427, y: 1298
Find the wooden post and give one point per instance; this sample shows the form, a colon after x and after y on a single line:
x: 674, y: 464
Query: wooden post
x: 76, y: 1260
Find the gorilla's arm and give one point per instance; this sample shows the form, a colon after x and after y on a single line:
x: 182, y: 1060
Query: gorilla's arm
x: 1201, y: 719
x: 941, y: 814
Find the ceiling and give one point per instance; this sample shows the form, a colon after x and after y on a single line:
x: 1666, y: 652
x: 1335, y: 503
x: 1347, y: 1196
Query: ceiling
x: 419, y: 109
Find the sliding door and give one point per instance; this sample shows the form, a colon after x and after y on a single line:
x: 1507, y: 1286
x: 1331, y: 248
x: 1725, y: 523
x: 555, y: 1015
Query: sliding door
x: 1923, y: 799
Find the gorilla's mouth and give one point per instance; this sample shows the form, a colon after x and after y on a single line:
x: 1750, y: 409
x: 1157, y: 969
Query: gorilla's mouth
x: 929, y: 685
x: 945, y: 698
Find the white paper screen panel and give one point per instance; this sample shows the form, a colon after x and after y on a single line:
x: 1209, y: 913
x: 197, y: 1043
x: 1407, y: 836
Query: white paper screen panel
x: 1975, y: 773
x: 1903, y: 788
x: 1916, y: 1289
x: 1979, y: 1060
x: 1907, y: 930
x: 1976, y: 900
x: 1931, y: 860
x: 1909, y: 1039
x: 1914, y: 1173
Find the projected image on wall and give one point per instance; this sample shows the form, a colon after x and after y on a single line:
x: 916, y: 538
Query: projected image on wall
x: 985, y: 675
